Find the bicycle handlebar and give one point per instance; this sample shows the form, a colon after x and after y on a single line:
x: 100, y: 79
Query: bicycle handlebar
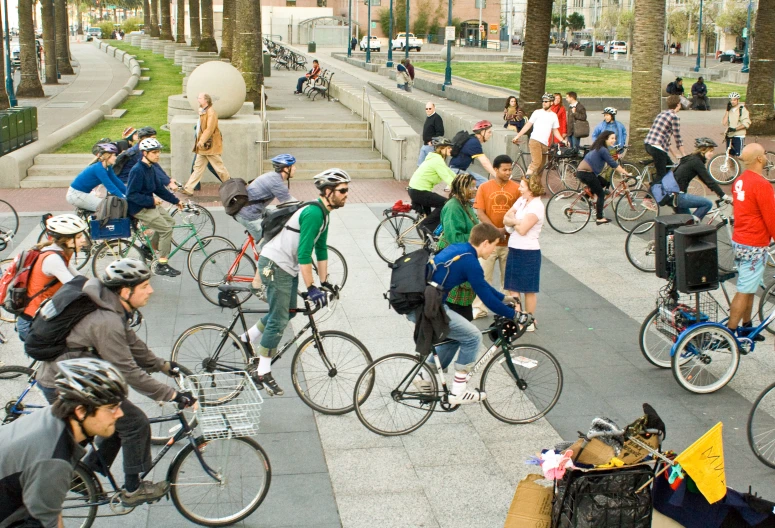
x: 311, y: 310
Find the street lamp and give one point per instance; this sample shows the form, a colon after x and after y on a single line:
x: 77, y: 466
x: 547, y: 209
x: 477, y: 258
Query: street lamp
x: 406, y: 45
x: 350, y: 27
x: 699, y: 40
x: 746, y: 56
x: 390, y: 38
x: 448, y: 69
x: 8, y: 74
x: 368, y: 33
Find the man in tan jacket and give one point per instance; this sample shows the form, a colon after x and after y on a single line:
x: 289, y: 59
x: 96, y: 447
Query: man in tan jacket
x: 209, y: 145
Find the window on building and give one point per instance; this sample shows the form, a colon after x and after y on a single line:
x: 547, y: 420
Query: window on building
x: 322, y: 3
x: 290, y: 3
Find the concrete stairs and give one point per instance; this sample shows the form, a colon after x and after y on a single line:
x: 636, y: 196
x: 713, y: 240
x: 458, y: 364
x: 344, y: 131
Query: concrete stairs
x: 59, y: 170
x: 320, y: 145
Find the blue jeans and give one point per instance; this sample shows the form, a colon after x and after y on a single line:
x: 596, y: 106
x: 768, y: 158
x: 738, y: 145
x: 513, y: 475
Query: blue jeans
x: 281, y: 291
x: 479, y: 179
x: 466, y: 337
x: 684, y: 201
x: 574, y: 141
x: 23, y: 328
x: 424, y: 151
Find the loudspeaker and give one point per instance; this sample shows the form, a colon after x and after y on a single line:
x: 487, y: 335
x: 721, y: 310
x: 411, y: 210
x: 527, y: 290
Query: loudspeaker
x: 665, y: 257
x: 696, y: 259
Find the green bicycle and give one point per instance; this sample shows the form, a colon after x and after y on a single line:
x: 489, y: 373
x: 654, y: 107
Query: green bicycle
x: 193, y: 221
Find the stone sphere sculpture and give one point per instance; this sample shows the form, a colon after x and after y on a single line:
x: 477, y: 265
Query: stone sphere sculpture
x: 223, y: 82
x: 443, y: 53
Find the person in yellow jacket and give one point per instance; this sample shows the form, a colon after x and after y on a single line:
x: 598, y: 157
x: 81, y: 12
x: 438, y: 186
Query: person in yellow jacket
x: 432, y: 171
x: 209, y: 145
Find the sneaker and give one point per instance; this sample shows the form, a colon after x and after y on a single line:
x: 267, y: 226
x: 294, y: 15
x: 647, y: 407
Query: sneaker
x: 469, y: 396
x: 744, y: 331
x: 422, y: 384
x: 268, y: 382
x: 186, y: 192
x: 531, y: 327
x: 166, y: 270
x: 146, y: 252
x: 147, y: 492
x: 480, y: 314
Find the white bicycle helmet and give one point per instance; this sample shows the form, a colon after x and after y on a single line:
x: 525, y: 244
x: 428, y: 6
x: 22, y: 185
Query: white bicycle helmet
x: 734, y: 95
x: 149, y: 144
x: 609, y: 110
x: 331, y: 178
x: 66, y: 224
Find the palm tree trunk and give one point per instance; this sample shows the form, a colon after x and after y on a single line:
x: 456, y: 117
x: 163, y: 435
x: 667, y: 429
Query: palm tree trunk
x: 248, y: 28
x: 154, y: 18
x: 29, y: 86
x: 49, y: 40
x: 761, y: 77
x: 63, y: 38
x: 537, y: 29
x: 166, y: 20
x: 146, y: 17
x: 180, y: 31
x: 646, y: 72
x: 208, y: 28
x: 4, y: 104
x: 229, y: 12
x: 193, y: 15
x: 79, y: 14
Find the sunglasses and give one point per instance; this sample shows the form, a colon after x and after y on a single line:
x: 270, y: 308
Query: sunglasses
x: 342, y: 191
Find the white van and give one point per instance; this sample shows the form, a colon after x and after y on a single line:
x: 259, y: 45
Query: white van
x: 617, y: 46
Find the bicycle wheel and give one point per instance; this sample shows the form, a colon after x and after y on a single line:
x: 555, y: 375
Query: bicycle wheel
x: 553, y: 177
x: 244, y: 472
x: 81, y: 257
x: 79, y: 508
x: 523, y: 400
x: 640, y: 246
x: 634, y: 207
x: 705, y: 359
x: 8, y: 317
x: 210, y: 348
x: 726, y: 252
x: 569, y: 179
x: 761, y: 427
x: 568, y: 212
x: 386, y: 401
x: 204, y: 248
x: 697, y: 188
x: 517, y: 173
x: 326, y: 385
x: 9, y: 220
x: 195, y: 214
x: 767, y: 306
x: 632, y: 181
x: 769, y: 167
x: 14, y: 381
x: 337, y: 267
x: 111, y: 250
x: 396, y: 236
x: 160, y: 433
x: 223, y: 267
x: 723, y: 169
x: 655, y: 345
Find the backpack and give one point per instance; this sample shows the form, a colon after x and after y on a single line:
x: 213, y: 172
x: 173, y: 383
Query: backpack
x: 670, y: 88
x: 111, y: 208
x: 275, y: 220
x: 459, y: 140
x: 234, y: 195
x: 55, y: 320
x: 13, y: 283
x: 121, y: 160
x: 664, y: 190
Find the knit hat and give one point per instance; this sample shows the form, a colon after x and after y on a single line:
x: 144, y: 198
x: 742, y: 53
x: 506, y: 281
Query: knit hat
x: 128, y: 132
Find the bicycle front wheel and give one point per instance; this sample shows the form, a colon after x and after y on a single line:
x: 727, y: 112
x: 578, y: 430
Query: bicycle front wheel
x: 244, y: 477
x: 224, y: 267
x: 324, y: 371
x: 14, y: 402
x: 767, y: 306
x: 568, y: 212
x: 207, y: 347
x: 111, y: 250
x: 9, y: 220
x: 396, y: 236
x: 635, y: 207
x: 387, y: 402
x: 761, y: 427
x: 81, y: 502
x: 769, y: 167
x: 706, y: 358
x: 655, y: 343
x: 196, y: 215
x: 726, y: 252
x: 569, y: 179
x: 204, y: 248
x: 723, y: 168
x: 528, y: 396
x: 640, y: 247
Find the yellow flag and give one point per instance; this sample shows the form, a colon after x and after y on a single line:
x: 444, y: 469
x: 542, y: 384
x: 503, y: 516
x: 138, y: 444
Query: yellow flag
x: 704, y: 462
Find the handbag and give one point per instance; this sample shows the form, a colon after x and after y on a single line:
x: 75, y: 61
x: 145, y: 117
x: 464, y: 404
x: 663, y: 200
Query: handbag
x: 580, y: 129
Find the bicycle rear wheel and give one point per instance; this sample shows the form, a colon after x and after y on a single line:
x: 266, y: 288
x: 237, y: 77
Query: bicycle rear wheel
x: 723, y: 169
x: 706, y: 358
x: 14, y: 403
x: 568, y: 212
x: 655, y: 345
x: 224, y: 267
x: 761, y: 427
x: 632, y: 181
x: 203, y: 249
x: 726, y: 252
x: 767, y: 306
x: 769, y: 167
x: 396, y: 236
x: 111, y: 250
x: 80, y: 506
x: 201, y: 218
x: 326, y: 385
x: 569, y: 179
x: 210, y: 347
x: 640, y: 246
x: 523, y: 400
x: 634, y: 207
x: 386, y: 401
x: 245, y: 475
x: 553, y: 177
x: 517, y: 172
x: 9, y: 220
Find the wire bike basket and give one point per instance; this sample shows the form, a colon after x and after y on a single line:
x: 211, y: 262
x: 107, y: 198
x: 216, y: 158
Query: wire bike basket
x: 229, y: 404
x: 677, y: 314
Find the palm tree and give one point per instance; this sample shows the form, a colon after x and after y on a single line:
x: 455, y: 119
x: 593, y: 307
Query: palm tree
x: 49, y: 40
x: 79, y: 15
x: 193, y: 16
x: 537, y: 29
x: 166, y: 20
x: 647, y: 58
x: 761, y: 77
x: 63, y: 38
x: 29, y: 86
x: 229, y: 12
x: 4, y: 104
x: 248, y: 48
x: 208, y: 30
x: 146, y: 16
x: 154, y: 18
x: 180, y: 31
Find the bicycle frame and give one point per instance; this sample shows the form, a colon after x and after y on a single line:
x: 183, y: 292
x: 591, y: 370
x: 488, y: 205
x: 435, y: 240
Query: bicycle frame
x: 144, y: 238
x: 230, y: 276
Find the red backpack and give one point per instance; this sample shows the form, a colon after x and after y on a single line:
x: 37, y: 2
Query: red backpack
x: 13, y: 283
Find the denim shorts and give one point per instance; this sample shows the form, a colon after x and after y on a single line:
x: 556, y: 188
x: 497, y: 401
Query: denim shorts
x: 750, y: 262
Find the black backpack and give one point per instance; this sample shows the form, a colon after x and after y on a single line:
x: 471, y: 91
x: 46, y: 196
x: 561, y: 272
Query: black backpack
x: 55, y: 319
x: 459, y: 140
x: 234, y: 195
x: 121, y: 160
x: 275, y: 220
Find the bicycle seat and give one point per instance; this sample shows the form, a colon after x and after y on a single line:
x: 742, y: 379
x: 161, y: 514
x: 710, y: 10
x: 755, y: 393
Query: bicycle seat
x: 422, y: 209
x: 646, y: 162
x: 232, y: 288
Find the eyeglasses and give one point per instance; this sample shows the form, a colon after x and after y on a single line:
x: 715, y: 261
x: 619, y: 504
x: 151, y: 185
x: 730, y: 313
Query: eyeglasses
x: 112, y: 409
x: 429, y: 108
x: 342, y: 191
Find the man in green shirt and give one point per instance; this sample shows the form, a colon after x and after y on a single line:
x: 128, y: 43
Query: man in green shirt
x: 281, y: 260
x: 431, y: 172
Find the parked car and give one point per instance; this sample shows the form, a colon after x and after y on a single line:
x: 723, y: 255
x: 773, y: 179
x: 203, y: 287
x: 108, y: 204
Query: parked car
x: 374, y: 45
x: 400, y: 42
x: 515, y: 41
x: 600, y: 47
x: 616, y: 46
x: 731, y: 56
x: 93, y: 33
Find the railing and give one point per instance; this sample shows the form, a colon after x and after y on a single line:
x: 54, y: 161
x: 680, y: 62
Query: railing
x: 370, y: 120
x: 266, y: 135
x: 400, y: 147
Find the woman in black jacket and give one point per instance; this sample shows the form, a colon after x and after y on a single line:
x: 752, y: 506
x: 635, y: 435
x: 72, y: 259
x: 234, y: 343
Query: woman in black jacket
x: 689, y: 167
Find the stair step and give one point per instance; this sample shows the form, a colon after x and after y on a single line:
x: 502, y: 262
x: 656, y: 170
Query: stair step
x: 348, y: 165
x: 358, y: 174
x: 322, y: 143
x: 315, y: 133
x: 317, y: 125
x: 62, y: 175
x: 78, y: 160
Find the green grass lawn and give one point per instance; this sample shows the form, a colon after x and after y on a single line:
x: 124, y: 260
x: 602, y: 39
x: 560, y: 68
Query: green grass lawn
x: 149, y: 109
x: 587, y: 82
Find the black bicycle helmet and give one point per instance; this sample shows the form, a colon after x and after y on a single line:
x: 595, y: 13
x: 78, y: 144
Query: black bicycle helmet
x: 704, y: 142
x: 90, y: 382
x: 146, y: 132
x: 125, y: 273
x: 440, y: 141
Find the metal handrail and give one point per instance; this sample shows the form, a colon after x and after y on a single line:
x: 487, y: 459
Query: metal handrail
x: 267, y: 133
x: 400, y: 148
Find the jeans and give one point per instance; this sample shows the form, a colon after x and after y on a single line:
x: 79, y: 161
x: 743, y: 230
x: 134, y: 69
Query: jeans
x: 23, y: 327
x: 82, y: 200
x: 661, y: 161
x: 253, y: 227
x: 574, y: 141
x: 300, y: 83
x: 281, y: 292
x: 479, y: 178
x: 684, y: 201
x: 466, y: 337
x: 161, y: 222
x: 432, y: 201
x: 424, y: 151
x: 595, y: 184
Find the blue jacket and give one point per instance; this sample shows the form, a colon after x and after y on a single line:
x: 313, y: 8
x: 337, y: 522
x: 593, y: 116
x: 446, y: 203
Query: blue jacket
x: 143, y: 184
x: 94, y: 175
x: 134, y: 156
x: 613, y: 126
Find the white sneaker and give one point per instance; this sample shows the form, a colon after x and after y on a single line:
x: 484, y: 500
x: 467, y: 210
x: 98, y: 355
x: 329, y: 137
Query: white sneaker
x: 469, y: 396
x: 422, y: 384
x: 480, y: 314
x: 531, y: 328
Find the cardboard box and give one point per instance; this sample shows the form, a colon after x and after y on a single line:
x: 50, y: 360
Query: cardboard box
x: 595, y: 453
x: 532, y: 505
x: 632, y: 453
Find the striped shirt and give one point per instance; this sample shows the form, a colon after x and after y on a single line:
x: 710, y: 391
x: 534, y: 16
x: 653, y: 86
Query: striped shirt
x: 666, y: 124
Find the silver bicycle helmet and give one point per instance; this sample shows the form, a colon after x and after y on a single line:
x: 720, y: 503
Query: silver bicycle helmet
x: 734, y: 95
x: 66, y: 224
x: 126, y: 273
x: 609, y: 110
x: 331, y: 178
x: 440, y: 141
x: 90, y: 382
x: 149, y: 144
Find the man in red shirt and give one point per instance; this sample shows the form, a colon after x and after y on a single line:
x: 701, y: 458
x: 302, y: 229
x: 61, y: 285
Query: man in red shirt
x: 754, y: 209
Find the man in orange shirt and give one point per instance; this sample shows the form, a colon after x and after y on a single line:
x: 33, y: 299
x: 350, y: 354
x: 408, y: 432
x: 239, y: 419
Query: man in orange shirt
x: 493, y: 200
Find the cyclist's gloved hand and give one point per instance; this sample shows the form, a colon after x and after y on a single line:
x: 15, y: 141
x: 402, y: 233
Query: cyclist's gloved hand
x: 509, y: 300
x: 316, y: 297
x: 726, y: 199
x: 184, y: 399
x: 523, y: 318
x: 171, y: 369
x: 332, y: 288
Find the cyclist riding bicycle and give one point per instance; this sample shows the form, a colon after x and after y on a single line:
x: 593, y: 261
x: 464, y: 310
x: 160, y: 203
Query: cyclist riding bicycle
x: 609, y: 123
x: 695, y: 164
x: 472, y: 150
x: 132, y: 156
x: 665, y: 126
x: 283, y: 258
x: 431, y: 172
x: 105, y: 332
x: 737, y: 120
x: 40, y: 451
x: 589, y: 169
x: 99, y: 172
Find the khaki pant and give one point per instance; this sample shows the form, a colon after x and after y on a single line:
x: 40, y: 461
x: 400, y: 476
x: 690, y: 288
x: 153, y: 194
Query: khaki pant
x: 498, y: 256
x: 161, y: 222
x: 538, y: 156
x: 199, y: 169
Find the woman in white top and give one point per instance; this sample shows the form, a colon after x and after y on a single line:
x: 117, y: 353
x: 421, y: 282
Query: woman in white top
x: 523, y: 264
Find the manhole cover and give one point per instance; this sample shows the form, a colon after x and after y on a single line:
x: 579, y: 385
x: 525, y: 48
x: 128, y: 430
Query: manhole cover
x: 71, y: 104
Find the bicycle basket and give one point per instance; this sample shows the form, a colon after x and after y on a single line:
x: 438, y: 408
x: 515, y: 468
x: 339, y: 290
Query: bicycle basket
x: 229, y: 404
x: 675, y: 315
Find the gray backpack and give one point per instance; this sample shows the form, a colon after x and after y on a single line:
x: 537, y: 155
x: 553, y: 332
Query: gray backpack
x: 111, y: 208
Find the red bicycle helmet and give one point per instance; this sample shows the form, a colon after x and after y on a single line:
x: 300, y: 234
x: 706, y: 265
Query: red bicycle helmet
x: 482, y: 125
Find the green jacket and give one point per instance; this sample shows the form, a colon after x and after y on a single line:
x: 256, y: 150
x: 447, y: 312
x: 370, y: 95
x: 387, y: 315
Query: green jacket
x: 431, y: 172
x: 458, y: 221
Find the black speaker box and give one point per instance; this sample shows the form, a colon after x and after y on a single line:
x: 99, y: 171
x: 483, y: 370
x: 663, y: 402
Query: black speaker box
x: 665, y: 225
x: 696, y: 259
